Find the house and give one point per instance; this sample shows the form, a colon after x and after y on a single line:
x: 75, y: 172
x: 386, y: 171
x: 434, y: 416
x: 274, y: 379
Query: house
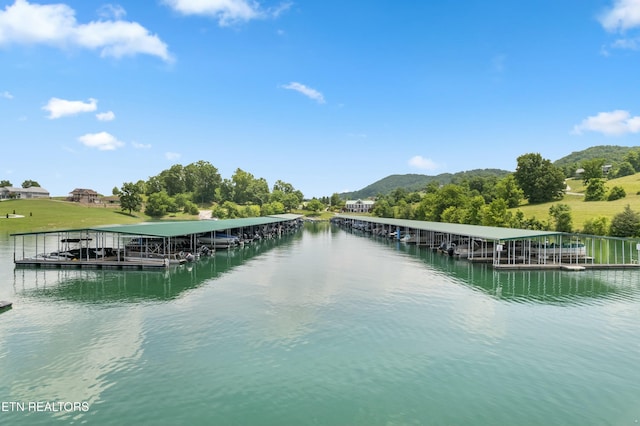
x: 359, y: 206
x: 82, y: 195
x: 10, y: 192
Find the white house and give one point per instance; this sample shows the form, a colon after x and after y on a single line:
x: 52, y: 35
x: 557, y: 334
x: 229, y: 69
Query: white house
x: 359, y: 206
x: 10, y: 192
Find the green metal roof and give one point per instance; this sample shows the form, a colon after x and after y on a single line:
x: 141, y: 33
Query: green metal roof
x: 485, y: 232
x: 178, y: 228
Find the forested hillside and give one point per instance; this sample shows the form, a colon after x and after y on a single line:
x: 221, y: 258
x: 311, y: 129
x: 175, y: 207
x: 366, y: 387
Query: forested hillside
x: 418, y: 182
x: 611, y: 154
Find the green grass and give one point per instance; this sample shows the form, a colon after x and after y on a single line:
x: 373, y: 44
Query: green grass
x: 581, y: 210
x: 49, y: 214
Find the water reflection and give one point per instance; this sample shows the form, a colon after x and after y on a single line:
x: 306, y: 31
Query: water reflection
x: 537, y: 286
x: 99, y: 286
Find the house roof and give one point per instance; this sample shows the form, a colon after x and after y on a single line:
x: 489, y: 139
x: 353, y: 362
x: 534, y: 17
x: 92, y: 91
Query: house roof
x: 84, y: 191
x: 360, y: 202
x: 33, y: 189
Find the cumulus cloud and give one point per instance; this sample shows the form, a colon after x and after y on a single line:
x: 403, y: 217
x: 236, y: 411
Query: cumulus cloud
x: 137, y: 145
x: 114, y: 11
x: 624, y: 14
x: 6, y: 95
x: 103, y: 141
x: 61, y: 107
x: 307, y: 91
x: 56, y: 25
x: 106, y: 116
x: 173, y: 156
x: 419, y: 162
x: 226, y: 11
x: 616, y: 123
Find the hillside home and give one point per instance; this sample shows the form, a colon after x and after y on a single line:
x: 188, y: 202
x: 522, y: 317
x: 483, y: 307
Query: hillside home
x: 359, y: 206
x: 10, y: 192
x: 82, y: 195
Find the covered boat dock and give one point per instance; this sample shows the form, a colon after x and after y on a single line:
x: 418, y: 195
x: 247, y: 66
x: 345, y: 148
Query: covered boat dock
x: 503, y: 248
x: 146, y: 245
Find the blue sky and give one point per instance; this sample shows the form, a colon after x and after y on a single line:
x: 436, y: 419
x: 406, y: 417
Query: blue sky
x: 329, y: 95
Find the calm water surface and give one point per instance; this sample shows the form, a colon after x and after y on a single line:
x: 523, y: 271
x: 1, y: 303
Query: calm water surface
x: 321, y: 328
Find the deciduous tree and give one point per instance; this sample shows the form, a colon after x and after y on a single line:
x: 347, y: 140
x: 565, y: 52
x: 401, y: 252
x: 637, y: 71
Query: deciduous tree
x: 539, y: 179
x: 130, y: 197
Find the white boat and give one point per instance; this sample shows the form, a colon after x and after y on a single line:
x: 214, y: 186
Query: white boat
x: 219, y: 240
x: 553, y: 250
x: 413, y: 239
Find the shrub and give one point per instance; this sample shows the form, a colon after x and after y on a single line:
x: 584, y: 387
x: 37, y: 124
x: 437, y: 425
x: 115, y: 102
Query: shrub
x: 616, y: 193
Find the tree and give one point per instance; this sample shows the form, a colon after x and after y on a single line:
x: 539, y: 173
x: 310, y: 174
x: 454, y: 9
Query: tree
x: 592, y: 169
x: 561, y: 215
x: 130, y: 197
x: 4, y: 183
x: 30, y: 184
x: 448, y: 196
x: 633, y: 158
x: 174, y: 180
x: 115, y: 191
x: 625, y: 224
x: 159, y: 204
x: 474, y: 210
x: 616, y: 193
x: 241, y: 181
x: 596, y: 226
x: 202, y: 179
x: 274, y: 207
x: 596, y: 190
x: 382, y: 208
x: 315, y: 205
x: 539, y: 179
x: 336, y: 201
x: 507, y: 188
x: 625, y: 169
x: 154, y: 184
x: 258, y: 191
x: 496, y: 213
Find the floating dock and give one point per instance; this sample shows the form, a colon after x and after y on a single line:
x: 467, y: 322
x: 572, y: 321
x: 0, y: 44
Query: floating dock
x: 155, y: 245
x: 503, y: 248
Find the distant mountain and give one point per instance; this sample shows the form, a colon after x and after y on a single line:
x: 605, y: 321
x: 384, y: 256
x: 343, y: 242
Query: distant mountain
x: 612, y: 154
x: 417, y: 182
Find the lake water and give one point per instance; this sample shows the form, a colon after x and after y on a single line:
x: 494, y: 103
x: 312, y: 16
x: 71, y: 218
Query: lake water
x: 323, y: 327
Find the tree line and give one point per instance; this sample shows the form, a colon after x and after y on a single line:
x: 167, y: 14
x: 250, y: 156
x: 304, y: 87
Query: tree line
x: 490, y: 201
x: 184, y: 188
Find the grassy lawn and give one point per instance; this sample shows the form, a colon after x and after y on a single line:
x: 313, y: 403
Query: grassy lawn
x: 48, y: 214
x: 581, y: 210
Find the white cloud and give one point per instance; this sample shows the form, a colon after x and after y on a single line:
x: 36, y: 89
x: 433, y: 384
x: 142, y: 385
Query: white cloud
x: 103, y: 141
x: 226, y: 11
x: 172, y: 156
x: 106, y: 116
x: 618, y: 122
x: 6, y: 95
x: 623, y: 15
x: 307, y: 91
x: 419, y: 162
x: 114, y: 11
x: 137, y: 145
x: 60, y: 107
x: 56, y: 25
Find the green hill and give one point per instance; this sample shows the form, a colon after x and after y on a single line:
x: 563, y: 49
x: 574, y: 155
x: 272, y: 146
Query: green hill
x: 417, y: 182
x: 612, y: 154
